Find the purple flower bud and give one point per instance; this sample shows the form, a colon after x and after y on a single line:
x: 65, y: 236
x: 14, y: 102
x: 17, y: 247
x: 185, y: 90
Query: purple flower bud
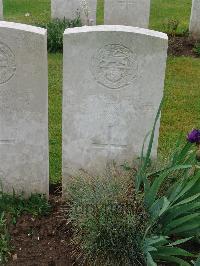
x: 194, y: 136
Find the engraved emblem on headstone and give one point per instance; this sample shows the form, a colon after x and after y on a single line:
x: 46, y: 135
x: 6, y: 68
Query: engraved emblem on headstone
x: 7, y: 63
x: 114, y: 66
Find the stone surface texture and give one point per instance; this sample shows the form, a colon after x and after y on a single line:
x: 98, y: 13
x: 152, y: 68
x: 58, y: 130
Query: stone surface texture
x: 195, y: 19
x: 111, y: 94
x: 23, y: 109
x: 71, y: 8
x: 127, y: 12
x: 1, y: 9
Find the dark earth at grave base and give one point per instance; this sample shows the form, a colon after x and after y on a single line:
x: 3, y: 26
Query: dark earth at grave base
x: 47, y: 241
x: 181, y: 46
x: 44, y: 241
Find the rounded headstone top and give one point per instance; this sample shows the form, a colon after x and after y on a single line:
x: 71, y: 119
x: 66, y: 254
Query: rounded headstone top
x: 22, y: 27
x: 116, y: 28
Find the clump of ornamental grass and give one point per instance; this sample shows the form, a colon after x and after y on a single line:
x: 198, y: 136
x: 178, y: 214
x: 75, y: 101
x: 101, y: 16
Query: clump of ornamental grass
x: 144, y: 217
x: 108, y: 220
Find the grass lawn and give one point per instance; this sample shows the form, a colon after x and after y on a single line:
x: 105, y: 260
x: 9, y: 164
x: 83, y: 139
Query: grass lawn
x: 182, y: 86
x: 55, y: 116
x: 163, y: 11
x: 181, y: 111
x: 39, y: 11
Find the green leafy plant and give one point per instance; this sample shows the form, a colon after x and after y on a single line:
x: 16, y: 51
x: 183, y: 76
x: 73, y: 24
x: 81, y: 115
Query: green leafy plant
x: 55, y: 30
x: 197, y: 48
x: 15, y: 205
x: 172, y: 199
x: 11, y: 207
x: 4, y: 240
x: 160, y: 214
x: 170, y: 26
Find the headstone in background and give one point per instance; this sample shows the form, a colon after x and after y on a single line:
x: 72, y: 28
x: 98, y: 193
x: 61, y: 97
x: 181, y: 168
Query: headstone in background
x: 1, y: 9
x: 195, y: 19
x: 23, y: 109
x: 70, y: 9
x: 127, y: 12
x: 111, y: 94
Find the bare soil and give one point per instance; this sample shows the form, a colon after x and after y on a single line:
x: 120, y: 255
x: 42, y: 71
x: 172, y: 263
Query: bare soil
x: 181, y: 46
x: 47, y: 241
x: 44, y: 241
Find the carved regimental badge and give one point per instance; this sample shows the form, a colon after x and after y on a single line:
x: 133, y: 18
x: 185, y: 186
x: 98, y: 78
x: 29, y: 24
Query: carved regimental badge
x: 114, y: 66
x: 7, y: 63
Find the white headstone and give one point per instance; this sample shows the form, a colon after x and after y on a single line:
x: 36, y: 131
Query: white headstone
x: 1, y: 9
x: 111, y: 94
x: 70, y: 9
x: 195, y: 19
x: 127, y: 12
x: 23, y: 108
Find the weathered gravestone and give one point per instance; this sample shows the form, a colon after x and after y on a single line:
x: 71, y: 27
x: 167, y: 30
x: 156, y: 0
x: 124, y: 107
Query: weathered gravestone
x: 70, y: 9
x: 127, y: 12
x: 111, y: 94
x: 195, y: 19
x: 23, y: 108
x: 1, y: 9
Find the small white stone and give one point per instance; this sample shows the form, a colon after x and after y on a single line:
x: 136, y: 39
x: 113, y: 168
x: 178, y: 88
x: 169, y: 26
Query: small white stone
x: 14, y: 257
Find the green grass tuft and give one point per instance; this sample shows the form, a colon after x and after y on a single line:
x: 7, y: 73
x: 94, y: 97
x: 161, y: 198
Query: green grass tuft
x: 4, y: 240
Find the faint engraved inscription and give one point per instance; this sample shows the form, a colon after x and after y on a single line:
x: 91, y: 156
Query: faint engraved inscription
x: 7, y: 63
x: 7, y: 141
x: 110, y: 120
x: 111, y: 113
x: 109, y: 145
x: 126, y: 3
x: 114, y: 66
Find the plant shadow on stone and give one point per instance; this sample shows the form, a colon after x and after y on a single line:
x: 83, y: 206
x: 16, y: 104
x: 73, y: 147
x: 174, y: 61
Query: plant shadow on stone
x: 139, y: 218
